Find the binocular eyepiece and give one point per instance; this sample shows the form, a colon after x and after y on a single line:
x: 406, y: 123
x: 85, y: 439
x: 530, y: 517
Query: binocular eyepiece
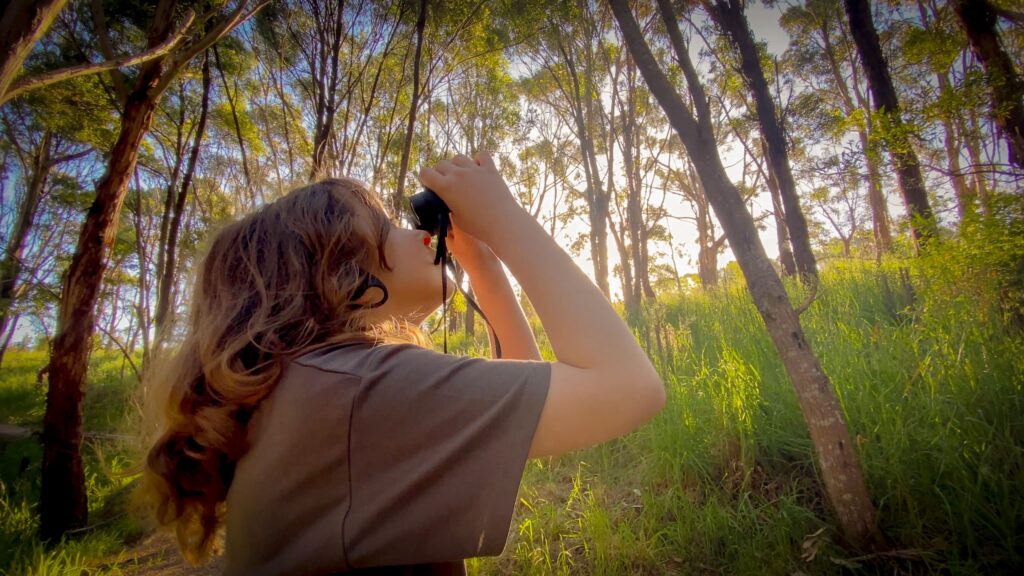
x: 430, y: 212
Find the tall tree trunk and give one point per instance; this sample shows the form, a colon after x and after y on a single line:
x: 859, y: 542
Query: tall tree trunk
x: 8, y: 333
x: 840, y: 471
x: 634, y: 213
x: 164, y: 297
x: 328, y: 20
x: 10, y: 267
x: 728, y: 14
x: 786, y: 260
x: 142, y: 306
x: 23, y: 23
x: 398, y: 199
x: 876, y: 198
x: 581, y: 102
x: 908, y: 169
x: 978, y: 19
x: 63, y: 504
x: 964, y: 201
x: 972, y: 140
x: 249, y: 188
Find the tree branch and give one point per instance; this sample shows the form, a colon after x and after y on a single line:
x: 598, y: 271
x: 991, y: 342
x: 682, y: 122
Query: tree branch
x: 47, y: 78
x: 182, y: 58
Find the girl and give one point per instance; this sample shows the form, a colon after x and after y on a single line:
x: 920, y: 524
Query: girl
x: 306, y: 414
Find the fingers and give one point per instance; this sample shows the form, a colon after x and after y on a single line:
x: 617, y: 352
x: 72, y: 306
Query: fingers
x: 484, y: 159
x: 462, y: 160
x: 430, y: 177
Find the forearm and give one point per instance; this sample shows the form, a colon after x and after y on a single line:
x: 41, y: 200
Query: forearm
x: 584, y: 330
x: 497, y: 300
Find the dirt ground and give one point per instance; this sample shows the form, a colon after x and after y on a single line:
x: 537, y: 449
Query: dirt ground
x: 157, y: 555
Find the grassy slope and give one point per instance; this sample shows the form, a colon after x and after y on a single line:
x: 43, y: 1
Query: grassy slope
x: 723, y: 480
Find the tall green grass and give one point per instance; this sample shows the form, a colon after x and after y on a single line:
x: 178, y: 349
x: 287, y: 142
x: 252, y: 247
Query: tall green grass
x: 926, y: 356
x: 929, y: 373
x: 108, y: 407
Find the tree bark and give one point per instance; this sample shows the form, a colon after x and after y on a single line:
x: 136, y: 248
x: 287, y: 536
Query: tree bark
x: 63, y: 504
x: 894, y: 132
x: 786, y: 260
x: 728, y: 14
x: 398, y: 199
x: 978, y: 19
x: 24, y: 22
x: 840, y: 471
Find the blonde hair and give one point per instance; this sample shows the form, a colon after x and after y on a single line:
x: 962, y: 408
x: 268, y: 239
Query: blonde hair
x: 272, y: 286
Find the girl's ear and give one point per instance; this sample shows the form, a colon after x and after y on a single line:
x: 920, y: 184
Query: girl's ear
x: 369, y: 281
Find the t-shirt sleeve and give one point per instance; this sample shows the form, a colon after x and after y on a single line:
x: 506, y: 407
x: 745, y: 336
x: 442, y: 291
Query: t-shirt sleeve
x: 438, y: 445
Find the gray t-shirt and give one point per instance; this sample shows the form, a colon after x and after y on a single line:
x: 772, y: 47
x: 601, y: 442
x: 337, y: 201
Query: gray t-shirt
x: 390, y: 455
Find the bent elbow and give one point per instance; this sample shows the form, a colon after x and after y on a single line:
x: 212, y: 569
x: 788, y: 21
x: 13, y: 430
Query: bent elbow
x: 656, y: 398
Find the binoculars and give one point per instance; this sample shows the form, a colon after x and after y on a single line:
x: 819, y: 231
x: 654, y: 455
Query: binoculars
x: 430, y: 213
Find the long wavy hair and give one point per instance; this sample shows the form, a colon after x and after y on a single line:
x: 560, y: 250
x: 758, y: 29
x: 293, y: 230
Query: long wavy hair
x: 272, y: 286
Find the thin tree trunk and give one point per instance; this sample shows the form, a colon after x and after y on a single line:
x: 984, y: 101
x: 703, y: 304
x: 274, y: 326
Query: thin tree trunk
x: 730, y: 17
x: 973, y: 141
x: 142, y: 307
x: 786, y: 259
x: 10, y: 267
x: 876, y: 199
x: 634, y: 216
x: 597, y: 198
x: 8, y: 335
x: 978, y: 19
x: 840, y: 471
x: 63, y: 504
x: 329, y: 25
x: 398, y: 199
x: 964, y: 201
x: 908, y: 169
x: 164, y: 297
x: 238, y: 128
x: 172, y: 184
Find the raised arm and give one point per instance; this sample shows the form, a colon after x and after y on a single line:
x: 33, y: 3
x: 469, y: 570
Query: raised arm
x: 495, y: 296
x: 603, y: 385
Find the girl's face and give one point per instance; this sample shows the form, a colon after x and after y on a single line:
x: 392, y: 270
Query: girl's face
x: 414, y: 282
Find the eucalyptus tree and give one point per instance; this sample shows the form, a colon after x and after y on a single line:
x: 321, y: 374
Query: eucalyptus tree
x: 841, y: 473
x: 63, y: 504
x: 23, y: 23
x: 729, y: 15
x: 978, y: 18
x: 39, y: 151
x: 567, y: 57
x: 42, y: 148
x: 637, y: 131
x: 894, y: 130
x: 822, y: 56
x: 476, y: 109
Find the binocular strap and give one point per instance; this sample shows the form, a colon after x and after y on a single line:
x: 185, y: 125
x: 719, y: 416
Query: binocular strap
x: 442, y: 257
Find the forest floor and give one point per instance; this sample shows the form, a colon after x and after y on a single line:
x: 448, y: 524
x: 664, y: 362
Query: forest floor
x: 157, y: 554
